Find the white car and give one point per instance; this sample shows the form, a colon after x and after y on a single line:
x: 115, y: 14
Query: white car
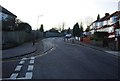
x: 68, y: 36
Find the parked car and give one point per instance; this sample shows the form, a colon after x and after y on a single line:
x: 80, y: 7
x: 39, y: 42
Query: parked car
x: 68, y: 36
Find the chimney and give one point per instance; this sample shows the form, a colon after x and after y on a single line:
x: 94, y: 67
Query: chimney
x: 107, y: 14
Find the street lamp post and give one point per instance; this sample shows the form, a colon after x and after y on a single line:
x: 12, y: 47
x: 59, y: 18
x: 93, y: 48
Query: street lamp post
x: 38, y: 20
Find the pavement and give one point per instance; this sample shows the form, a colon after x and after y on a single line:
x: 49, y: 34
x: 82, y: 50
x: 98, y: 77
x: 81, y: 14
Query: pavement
x: 23, y: 49
x: 41, y: 46
x: 104, y: 49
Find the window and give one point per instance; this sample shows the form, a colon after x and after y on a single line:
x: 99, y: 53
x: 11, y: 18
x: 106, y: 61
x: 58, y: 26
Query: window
x: 100, y: 24
x: 109, y: 22
x: 93, y: 25
x: 4, y: 17
x: 96, y: 24
x: 117, y: 32
x: 92, y: 31
x: 105, y: 23
x: 111, y: 29
x: 113, y: 19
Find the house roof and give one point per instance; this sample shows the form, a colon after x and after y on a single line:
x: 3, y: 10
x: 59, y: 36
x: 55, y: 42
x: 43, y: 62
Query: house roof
x: 106, y: 17
x: 117, y: 13
x: 6, y: 11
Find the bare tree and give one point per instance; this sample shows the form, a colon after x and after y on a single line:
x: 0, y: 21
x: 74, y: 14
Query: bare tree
x: 88, y: 20
x: 61, y: 27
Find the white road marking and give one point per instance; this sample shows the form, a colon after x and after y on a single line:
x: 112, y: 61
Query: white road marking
x: 113, y: 52
x: 32, y: 58
x: 22, y: 62
x: 28, y: 75
x: 30, y: 67
x: 14, y: 76
x: 24, y: 58
x: 18, y: 68
x: 31, y: 61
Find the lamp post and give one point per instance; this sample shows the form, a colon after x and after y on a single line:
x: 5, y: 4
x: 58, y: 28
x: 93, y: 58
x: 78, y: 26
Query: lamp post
x: 38, y: 20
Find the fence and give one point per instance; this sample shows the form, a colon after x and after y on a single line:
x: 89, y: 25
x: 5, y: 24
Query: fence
x: 12, y: 38
x: 51, y: 34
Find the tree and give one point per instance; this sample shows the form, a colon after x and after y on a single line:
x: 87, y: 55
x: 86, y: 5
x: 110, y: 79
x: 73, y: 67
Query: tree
x: 41, y: 28
x: 24, y: 27
x: 54, y: 30
x: 59, y: 29
x: 62, y: 27
x: 88, y: 20
x: 18, y: 21
x: 68, y: 31
x: 76, y: 30
x: 81, y: 28
x: 87, y: 29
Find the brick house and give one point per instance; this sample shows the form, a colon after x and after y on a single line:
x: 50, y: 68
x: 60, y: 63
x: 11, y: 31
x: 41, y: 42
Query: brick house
x: 8, y: 19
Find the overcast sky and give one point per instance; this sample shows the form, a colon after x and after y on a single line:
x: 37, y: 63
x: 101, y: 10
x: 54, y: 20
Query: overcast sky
x: 53, y: 12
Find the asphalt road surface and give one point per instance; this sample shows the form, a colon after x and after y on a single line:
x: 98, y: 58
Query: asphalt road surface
x: 63, y: 61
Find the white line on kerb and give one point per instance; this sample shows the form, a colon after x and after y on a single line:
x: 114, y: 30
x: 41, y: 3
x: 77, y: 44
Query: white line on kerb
x: 14, y: 76
x: 30, y: 67
x: 31, y: 61
x: 18, y: 68
x: 28, y: 75
x: 24, y: 59
x: 32, y: 58
x: 22, y: 62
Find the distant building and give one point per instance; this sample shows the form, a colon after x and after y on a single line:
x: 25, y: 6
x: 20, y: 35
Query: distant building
x: 8, y: 19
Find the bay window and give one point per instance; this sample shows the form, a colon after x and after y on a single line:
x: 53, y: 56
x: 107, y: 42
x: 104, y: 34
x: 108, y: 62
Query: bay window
x: 111, y: 29
x: 117, y: 32
x: 100, y: 24
x: 113, y: 19
x: 105, y: 22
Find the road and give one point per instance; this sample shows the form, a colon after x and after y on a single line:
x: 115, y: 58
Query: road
x: 63, y: 61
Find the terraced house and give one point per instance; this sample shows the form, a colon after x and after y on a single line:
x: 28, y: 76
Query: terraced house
x: 109, y: 24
